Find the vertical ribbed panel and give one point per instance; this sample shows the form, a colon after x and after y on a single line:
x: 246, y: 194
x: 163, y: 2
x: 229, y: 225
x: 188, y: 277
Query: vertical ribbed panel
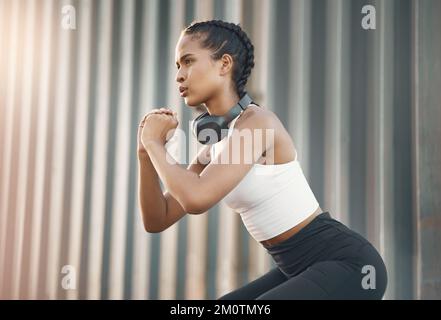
x: 426, y: 154
x: 141, y: 277
x: 122, y: 152
x: 81, y: 117
x: 362, y: 107
x: 10, y: 73
x: 18, y: 260
x: 59, y: 156
x: 100, y: 150
x: 40, y: 197
x: 336, y: 109
x: 300, y: 43
x: 380, y: 135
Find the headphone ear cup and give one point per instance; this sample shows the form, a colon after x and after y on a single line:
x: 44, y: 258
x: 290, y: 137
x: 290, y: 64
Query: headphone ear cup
x: 208, y: 130
x: 218, y: 125
x: 195, y: 123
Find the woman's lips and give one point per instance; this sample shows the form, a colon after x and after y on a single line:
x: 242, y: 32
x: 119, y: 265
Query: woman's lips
x: 183, y: 93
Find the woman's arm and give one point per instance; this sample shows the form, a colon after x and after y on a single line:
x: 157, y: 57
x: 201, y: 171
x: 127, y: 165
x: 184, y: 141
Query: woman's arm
x: 179, y: 182
x: 198, y: 192
x: 161, y: 210
x: 151, y: 200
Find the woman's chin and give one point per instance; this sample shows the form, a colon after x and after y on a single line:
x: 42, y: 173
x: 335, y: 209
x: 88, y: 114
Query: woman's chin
x: 191, y: 102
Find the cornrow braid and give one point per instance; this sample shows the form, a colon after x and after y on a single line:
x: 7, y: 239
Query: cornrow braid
x: 218, y: 37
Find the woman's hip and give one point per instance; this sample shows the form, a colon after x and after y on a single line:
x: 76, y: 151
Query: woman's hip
x: 324, y: 239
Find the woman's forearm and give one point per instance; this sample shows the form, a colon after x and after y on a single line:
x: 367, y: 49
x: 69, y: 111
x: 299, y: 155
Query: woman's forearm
x: 151, y: 199
x: 181, y: 183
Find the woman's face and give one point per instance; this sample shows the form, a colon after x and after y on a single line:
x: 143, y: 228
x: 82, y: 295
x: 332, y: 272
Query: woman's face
x: 197, y: 72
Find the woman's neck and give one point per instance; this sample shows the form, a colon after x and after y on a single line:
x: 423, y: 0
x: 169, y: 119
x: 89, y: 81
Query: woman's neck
x: 221, y: 104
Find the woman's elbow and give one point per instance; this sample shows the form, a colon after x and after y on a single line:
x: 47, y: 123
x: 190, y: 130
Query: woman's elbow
x: 152, y: 229
x: 193, y: 199
x: 192, y: 209
x: 194, y: 205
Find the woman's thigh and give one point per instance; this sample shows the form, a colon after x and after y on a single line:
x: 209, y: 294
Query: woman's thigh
x: 328, y: 280
x: 257, y: 287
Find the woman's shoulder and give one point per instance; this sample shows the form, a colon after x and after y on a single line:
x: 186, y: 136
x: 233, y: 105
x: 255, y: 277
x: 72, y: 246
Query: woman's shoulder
x: 283, y: 149
x: 256, y: 117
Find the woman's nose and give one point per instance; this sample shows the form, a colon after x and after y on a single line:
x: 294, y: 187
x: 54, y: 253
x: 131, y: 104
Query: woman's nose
x: 179, y: 77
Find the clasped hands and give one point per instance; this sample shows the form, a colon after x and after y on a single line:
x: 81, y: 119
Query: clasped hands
x: 157, y: 125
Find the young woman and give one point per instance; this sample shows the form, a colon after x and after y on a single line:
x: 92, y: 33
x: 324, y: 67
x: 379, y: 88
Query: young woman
x: 317, y: 257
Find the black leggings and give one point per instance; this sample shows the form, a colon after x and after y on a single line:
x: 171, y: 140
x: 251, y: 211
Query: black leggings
x: 325, y: 260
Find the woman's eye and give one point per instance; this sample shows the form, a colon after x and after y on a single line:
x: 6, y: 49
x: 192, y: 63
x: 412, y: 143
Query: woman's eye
x: 186, y: 61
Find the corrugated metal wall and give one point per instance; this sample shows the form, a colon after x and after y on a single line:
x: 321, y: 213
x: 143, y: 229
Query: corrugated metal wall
x: 362, y: 106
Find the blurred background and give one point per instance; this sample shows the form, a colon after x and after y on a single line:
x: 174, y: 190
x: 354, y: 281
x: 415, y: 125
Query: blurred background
x: 363, y: 107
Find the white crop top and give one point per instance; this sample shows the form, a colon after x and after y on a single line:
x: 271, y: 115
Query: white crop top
x: 270, y: 199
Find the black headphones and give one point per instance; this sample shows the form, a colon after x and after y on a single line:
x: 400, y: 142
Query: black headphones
x: 217, y: 124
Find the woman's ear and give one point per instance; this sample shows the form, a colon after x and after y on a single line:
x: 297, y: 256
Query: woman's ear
x: 226, y: 64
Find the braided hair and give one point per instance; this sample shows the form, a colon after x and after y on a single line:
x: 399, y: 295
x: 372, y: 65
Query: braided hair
x: 227, y: 38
